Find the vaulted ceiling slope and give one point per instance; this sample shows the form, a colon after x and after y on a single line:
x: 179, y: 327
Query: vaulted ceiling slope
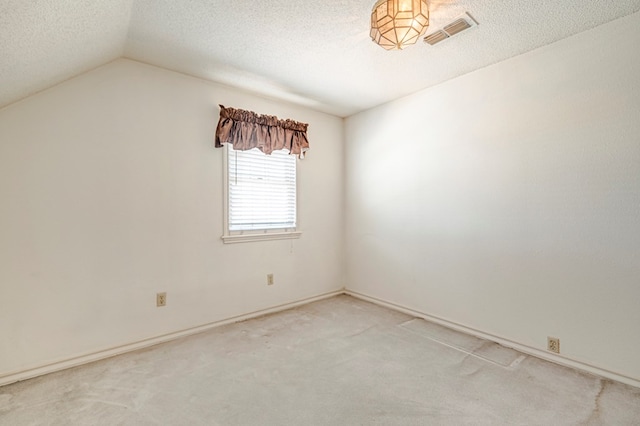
x: 44, y: 42
x: 316, y: 52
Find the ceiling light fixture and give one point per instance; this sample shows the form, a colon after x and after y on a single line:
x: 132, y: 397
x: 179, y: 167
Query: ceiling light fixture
x: 398, y: 23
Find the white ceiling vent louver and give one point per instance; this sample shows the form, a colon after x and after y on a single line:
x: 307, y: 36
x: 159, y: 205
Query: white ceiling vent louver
x: 436, y: 37
x: 456, y: 26
x: 459, y: 24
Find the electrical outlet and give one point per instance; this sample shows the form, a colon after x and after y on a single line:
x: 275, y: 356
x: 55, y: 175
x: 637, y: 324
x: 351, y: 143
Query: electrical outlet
x: 553, y: 344
x: 161, y: 299
x: 269, y: 279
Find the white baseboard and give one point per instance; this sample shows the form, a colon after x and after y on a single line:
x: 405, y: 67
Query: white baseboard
x: 63, y: 364
x: 52, y: 367
x: 558, y: 359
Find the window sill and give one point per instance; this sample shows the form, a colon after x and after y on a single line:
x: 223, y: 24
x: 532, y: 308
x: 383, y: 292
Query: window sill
x: 268, y: 236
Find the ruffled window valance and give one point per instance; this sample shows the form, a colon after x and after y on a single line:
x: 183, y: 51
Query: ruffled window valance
x: 246, y: 130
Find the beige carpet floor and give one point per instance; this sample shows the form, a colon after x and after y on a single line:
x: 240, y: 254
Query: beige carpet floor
x: 340, y: 361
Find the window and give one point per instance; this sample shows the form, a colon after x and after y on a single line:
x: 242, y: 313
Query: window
x: 260, y: 195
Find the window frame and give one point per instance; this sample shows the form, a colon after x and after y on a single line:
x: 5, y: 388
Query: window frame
x: 253, y: 235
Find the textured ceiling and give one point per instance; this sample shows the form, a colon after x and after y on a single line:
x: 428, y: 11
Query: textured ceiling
x: 316, y: 53
x: 44, y: 42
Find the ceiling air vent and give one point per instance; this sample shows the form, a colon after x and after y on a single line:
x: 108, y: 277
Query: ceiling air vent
x: 436, y: 37
x: 456, y: 26
x: 461, y: 23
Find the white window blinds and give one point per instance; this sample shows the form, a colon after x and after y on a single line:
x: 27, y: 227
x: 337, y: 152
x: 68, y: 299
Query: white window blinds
x: 262, y: 190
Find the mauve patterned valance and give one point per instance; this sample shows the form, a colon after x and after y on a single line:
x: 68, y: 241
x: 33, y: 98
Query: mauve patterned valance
x: 246, y: 130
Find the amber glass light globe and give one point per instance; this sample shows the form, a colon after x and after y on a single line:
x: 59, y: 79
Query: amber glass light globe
x: 398, y: 23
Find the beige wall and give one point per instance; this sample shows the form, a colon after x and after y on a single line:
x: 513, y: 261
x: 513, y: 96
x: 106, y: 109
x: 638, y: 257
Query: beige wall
x: 111, y: 191
x: 508, y: 200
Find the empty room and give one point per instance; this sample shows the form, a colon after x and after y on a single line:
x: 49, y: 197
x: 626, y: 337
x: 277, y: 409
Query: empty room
x: 354, y: 212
